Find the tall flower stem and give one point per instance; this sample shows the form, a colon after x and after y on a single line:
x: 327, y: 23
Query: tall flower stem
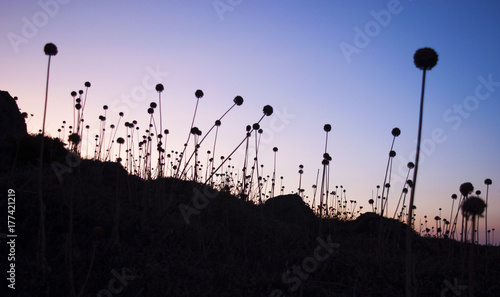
x: 273, y: 181
x: 159, y: 88
x: 488, y: 183
x: 410, y: 286
x: 410, y: 166
x: 51, y: 50
x: 268, y: 110
x: 424, y: 59
x: 198, y: 95
x: 238, y: 100
x: 395, y: 133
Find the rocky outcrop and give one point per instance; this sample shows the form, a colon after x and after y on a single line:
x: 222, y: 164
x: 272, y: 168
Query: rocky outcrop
x: 12, y: 129
x: 290, y: 208
x: 12, y: 124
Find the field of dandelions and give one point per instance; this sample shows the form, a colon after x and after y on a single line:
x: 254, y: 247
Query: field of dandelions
x: 188, y: 224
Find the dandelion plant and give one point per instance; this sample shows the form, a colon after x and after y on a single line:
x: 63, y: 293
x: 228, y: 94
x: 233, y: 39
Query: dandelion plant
x: 424, y: 59
x: 267, y: 110
x: 453, y: 197
x: 198, y: 94
x: 472, y: 208
x: 324, y: 180
x: 301, y: 171
x: 487, y: 182
x: 410, y: 166
x: 237, y: 101
x: 50, y: 50
x: 395, y: 133
x: 273, y: 180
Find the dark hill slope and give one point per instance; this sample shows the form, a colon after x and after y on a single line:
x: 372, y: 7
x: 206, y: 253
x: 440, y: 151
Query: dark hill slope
x: 113, y: 234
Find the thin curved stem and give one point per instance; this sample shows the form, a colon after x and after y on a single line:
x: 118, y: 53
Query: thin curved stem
x: 41, y: 238
x: 189, y: 135
x: 409, y: 263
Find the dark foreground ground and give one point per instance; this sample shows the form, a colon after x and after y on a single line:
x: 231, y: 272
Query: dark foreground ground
x: 111, y: 234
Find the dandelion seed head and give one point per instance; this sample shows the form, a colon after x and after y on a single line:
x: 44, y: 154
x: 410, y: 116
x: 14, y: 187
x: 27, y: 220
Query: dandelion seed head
x: 396, y: 132
x: 74, y: 138
x: 198, y: 94
x: 268, y: 110
x: 159, y: 88
x: 50, y: 49
x: 425, y: 58
x: 238, y: 100
x: 473, y: 206
x: 195, y: 131
x: 466, y: 188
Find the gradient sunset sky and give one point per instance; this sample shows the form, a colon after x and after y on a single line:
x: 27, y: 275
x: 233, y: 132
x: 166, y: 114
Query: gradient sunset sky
x: 348, y: 64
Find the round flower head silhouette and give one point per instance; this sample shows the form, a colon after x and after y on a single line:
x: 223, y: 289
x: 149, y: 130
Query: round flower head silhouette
x: 268, y: 110
x: 50, y: 49
x: 425, y: 58
x: 396, y: 132
x: 159, y: 88
x: 238, y: 100
x: 199, y: 94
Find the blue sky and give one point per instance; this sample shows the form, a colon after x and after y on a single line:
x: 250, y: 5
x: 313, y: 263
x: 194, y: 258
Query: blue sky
x: 288, y: 54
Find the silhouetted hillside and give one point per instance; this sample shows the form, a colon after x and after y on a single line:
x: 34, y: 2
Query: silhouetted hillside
x: 114, y: 234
